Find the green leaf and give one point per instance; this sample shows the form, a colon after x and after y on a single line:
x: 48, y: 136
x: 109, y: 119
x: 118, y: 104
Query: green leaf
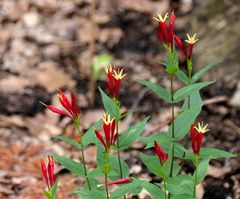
x: 185, y: 187
x: 125, y: 169
x: 200, y: 73
x: 183, y: 122
x: 48, y: 194
x: 161, y: 92
x: 89, y: 137
x: 152, y: 189
x: 68, y: 140
x: 108, y: 104
x: 183, y: 77
x: 201, y: 170
x: 211, y: 153
x: 183, y: 196
x: 128, y: 137
x: 153, y: 165
x: 71, y: 165
x: 172, y: 69
x: 54, y: 188
x: 132, y: 187
x: 87, y: 194
x: 161, y: 138
x: 195, y: 100
x: 188, y: 90
x: 99, y: 62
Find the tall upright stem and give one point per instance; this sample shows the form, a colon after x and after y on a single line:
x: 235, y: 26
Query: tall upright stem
x: 195, y: 179
x: 172, y: 108
x: 117, y: 131
x: 83, y: 157
x: 106, y: 186
x: 165, y: 188
x: 173, y: 145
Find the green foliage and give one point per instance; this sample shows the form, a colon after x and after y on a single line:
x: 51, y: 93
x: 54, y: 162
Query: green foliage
x: 71, y: 165
x: 128, y: 137
x: 188, y: 90
x: 69, y: 141
x: 109, y: 105
x: 113, y: 159
x: 210, y: 153
x: 183, y: 77
x: 200, y: 73
x: 161, y: 92
x: 99, y: 62
x: 201, y: 171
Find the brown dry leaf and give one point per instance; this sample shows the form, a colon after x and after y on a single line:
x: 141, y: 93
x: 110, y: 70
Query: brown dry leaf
x: 139, y: 5
x: 110, y: 35
x: 14, y: 83
x: 217, y: 172
x: 6, y: 158
x: 9, y: 121
x: 51, y: 77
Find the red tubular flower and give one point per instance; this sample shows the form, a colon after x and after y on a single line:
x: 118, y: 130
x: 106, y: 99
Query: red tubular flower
x: 120, y: 181
x: 163, y: 157
x: 71, y: 108
x: 165, y: 32
x: 197, y: 136
x: 191, y: 41
x: 109, y: 132
x: 48, y: 172
x: 115, y: 77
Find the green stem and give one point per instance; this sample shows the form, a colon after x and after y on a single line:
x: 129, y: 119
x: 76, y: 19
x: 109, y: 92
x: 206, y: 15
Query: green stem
x: 83, y: 157
x: 106, y: 186
x: 117, y: 104
x: 165, y: 188
x: 195, y: 178
x: 172, y: 108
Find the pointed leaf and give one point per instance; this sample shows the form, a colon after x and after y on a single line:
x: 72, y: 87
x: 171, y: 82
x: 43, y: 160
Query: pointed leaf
x: 161, y: 92
x: 188, y: 90
x: 183, y: 77
x: 201, y: 170
x: 128, y: 137
x: 211, y: 153
x: 200, y: 73
x: 71, y: 165
x: 68, y: 140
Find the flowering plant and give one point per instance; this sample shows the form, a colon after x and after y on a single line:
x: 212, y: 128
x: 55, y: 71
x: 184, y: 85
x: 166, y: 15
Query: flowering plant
x: 170, y: 148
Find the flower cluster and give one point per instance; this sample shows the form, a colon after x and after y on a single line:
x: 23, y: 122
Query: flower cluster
x: 71, y: 108
x: 115, y: 77
x: 163, y: 157
x: 186, y: 51
x: 165, y: 32
x: 109, y: 132
x: 196, y: 136
x: 48, y: 172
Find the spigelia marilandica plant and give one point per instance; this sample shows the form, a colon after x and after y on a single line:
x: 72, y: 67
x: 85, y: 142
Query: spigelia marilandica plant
x: 170, y: 148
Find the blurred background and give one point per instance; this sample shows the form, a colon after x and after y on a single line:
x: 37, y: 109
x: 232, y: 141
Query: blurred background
x: 49, y: 44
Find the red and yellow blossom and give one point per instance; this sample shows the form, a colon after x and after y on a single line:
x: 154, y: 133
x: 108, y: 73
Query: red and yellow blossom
x: 48, y: 172
x: 163, y: 157
x: 165, y: 32
x: 71, y: 108
x: 191, y: 40
x: 115, y: 77
x: 196, y: 136
x: 110, y: 137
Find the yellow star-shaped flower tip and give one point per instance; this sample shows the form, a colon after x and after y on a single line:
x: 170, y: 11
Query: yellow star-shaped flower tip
x: 191, y: 40
x: 118, y: 74
x: 161, y: 18
x: 201, y: 128
x: 106, y: 119
x: 108, y: 69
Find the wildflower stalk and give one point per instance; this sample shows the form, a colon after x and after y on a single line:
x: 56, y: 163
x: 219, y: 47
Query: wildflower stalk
x: 106, y: 186
x: 172, y: 108
x: 195, y: 178
x: 165, y: 188
x: 77, y: 126
x: 117, y: 105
